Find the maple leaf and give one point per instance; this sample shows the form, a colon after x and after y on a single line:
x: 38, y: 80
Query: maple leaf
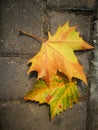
x: 58, y: 68
x: 57, y: 54
x: 61, y: 95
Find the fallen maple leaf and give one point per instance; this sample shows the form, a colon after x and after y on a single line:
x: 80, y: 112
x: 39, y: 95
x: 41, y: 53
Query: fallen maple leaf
x: 61, y: 94
x: 57, y: 54
x: 58, y: 68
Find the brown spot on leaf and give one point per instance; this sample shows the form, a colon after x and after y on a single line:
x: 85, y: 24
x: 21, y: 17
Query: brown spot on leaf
x: 48, y: 98
x: 60, y: 106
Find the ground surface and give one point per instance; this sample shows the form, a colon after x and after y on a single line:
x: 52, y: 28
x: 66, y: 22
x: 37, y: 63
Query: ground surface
x: 37, y: 17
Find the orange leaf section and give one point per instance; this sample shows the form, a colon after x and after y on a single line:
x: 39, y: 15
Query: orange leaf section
x: 57, y: 54
x: 61, y: 94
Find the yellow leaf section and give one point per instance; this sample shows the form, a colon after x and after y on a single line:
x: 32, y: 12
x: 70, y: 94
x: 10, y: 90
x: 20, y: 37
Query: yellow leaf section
x: 61, y: 94
x: 57, y: 54
x: 69, y: 37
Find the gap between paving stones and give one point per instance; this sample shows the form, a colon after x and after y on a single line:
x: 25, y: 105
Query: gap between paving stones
x: 45, y: 29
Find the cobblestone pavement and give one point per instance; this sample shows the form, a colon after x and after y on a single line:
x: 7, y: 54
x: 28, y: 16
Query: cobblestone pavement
x: 39, y: 17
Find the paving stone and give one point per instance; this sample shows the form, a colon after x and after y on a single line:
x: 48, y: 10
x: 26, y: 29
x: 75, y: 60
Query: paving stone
x: 71, y: 4
x: 83, y: 22
x: 30, y: 116
x: 93, y: 104
x: 20, y: 15
x: 14, y: 81
x: 15, y: 114
x: 93, y: 115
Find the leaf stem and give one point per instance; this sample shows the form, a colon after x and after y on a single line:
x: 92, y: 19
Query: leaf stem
x: 32, y: 35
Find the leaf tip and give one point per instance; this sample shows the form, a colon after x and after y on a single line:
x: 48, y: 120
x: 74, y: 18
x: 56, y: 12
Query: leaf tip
x: 49, y: 35
x: 85, y: 46
x: 68, y: 22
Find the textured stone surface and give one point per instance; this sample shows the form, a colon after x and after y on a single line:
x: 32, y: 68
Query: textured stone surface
x: 72, y: 4
x: 14, y: 82
x: 83, y: 22
x: 20, y: 15
x: 93, y: 113
x: 32, y: 16
x: 27, y: 116
x: 93, y: 104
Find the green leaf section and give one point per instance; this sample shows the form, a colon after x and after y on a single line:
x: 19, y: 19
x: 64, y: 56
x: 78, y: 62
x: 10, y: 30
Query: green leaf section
x: 63, y: 98
x: 60, y: 95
